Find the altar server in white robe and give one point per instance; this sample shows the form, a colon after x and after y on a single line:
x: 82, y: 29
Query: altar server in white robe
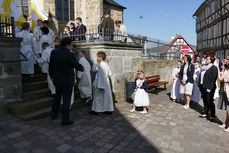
x: 44, y: 64
x: 175, y: 92
x: 51, y: 33
x: 85, y: 84
x: 45, y: 38
x: 102, y: 99
x: 28, y: 49
x: 37, y: 32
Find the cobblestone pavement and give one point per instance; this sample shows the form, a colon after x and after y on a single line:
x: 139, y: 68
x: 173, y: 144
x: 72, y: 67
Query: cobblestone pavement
x: 166, y: 128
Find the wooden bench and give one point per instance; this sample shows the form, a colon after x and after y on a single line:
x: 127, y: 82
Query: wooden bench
x: 153, y: 82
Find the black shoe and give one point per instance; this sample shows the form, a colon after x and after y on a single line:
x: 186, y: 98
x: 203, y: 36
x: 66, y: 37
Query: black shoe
x: 212, y: 119
x: 93, y: 113
x: 67, y: 123
x: 108, y: 113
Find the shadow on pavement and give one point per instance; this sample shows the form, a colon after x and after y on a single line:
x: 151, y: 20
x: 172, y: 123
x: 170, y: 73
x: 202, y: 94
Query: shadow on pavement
x: 198, y: 108
x: 120, y: 132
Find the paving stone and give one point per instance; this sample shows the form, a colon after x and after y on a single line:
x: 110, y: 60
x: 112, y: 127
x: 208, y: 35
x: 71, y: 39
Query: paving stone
x: 88, y: 150
x: 14, y: 134
x: 22, y: 151
x: 21, y: 144
x: 63, y: 148
x: 77, y: 149
x: 108, y: 146
x: 80, y: 139
x: 167, y: 128
x: 39, y: 150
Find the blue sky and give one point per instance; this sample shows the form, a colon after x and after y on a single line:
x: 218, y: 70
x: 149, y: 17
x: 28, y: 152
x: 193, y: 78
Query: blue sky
x: 162, y: 19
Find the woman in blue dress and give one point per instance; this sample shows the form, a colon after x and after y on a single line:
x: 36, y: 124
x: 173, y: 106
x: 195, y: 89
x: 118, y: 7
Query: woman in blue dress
x: 196, y: 95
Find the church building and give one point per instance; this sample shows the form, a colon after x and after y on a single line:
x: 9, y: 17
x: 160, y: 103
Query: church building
x: 62, y: 12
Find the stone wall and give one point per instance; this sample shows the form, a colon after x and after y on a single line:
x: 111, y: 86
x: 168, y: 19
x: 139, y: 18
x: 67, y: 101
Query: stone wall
x: 10, y: 71
x: 164, y: 68
x: 90, y: 11
x: 49, y: 6
x: 119, y: 58
x: 125, y: 61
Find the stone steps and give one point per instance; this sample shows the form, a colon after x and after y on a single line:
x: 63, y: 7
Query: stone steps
x: 37, y: 114
x: 36, y: 94
x: 27, y: 107
x: 36, y: 78
x: 27, y: 87
x: 36, y: 98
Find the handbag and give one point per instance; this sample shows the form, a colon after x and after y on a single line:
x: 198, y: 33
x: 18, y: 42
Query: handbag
x: 133, y: 94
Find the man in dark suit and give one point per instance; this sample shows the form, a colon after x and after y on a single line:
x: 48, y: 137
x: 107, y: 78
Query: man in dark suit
x: 107, y: 26
x: 207, y: 86
x: 61, y: 71
x: 80, y: 30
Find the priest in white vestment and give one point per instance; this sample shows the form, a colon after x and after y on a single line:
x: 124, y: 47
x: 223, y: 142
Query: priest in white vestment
x: 37, y: 32
x: 44, y: 64
x: 102, y: 100
x: 28, y: 49
x: 51, y: 33
x: 45, y: 38
x: 85, y: 83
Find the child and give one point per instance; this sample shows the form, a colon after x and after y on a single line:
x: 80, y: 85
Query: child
x: 175, y: 92
x: 141, y: 93
x: 103, y: 101
x: 66, y: 31
x: 44, y: 64
x: 196, y: 95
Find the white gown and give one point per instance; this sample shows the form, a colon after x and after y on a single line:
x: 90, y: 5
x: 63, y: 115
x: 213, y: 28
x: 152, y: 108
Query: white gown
x: 51, y: 35
x: 102, y: 100
x: 44, y: 64
x: 85, y: 84
x: 175, y: 92
x: 141, y: 96
x: 29, y: 49
x: 37, y: 34
x: 45, y: 38
x: 216, y: 94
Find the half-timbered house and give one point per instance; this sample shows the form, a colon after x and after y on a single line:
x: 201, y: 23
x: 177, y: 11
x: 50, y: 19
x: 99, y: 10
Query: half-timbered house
x: 177, y: 48
x: 212, y: 28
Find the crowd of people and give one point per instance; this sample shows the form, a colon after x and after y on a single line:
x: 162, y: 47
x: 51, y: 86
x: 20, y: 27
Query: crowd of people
x: 61, y: 71
x: 59, y: 65
x: 206, y: 78
x: 108, y: 30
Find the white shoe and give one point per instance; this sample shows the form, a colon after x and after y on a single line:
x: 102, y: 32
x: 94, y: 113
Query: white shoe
x: 223, y: 126
x: 143, y: 112
x: 203, y: 116
x: 186, y: 107
x: 226, y: 130
x: 132, y: 110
